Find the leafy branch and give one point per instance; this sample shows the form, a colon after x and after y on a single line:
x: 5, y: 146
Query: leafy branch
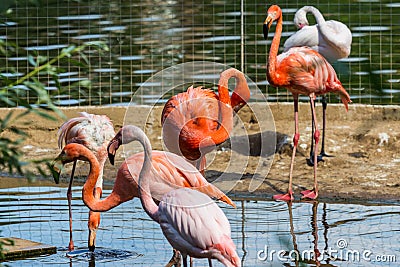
x: 12, y: 95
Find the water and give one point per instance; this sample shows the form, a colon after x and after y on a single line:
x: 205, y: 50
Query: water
x: 146, y: 38
x: 127, y: 237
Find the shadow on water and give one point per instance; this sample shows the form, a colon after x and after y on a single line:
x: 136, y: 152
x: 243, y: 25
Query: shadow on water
x: 266, y: 233
x: 100, y: 255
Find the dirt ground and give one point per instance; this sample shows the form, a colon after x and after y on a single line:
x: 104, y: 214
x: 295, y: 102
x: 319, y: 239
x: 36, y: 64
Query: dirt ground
x: 364, y: 143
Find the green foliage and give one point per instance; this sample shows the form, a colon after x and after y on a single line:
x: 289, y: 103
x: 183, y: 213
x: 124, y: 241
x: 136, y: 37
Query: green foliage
x: 13, y: 93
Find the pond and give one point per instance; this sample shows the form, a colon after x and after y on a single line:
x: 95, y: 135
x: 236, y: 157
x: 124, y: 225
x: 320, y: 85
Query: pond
x: 266, y: 233
x: 146, y: 37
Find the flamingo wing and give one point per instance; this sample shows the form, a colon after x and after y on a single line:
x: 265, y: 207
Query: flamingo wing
x: 194, y: 105
x: 190, y: 219
x: 170, y: 172
x: 306, y: 71
x: 343, y: 38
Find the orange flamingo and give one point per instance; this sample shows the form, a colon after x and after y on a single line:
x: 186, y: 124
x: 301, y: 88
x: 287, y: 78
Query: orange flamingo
x: 301, y: 70
x: 94, y: 132
x: 172, y: 172
x: 197, y: 120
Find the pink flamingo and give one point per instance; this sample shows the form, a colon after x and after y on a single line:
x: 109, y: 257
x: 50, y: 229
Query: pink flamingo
x: 94, y: 132
x: 332, y: 39
x: 172, y: 172
x: 197, y: 120
x: 301, y: 70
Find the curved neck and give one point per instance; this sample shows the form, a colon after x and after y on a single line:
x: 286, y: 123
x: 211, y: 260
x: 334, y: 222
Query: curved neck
x: 318, y: 16
x: 241, y: 94
x: 322, y: 26
x: 225, y: 109
x: 90, y: 201
x: 147, y: 201
x: 273, y: 53
x: 131, y: 133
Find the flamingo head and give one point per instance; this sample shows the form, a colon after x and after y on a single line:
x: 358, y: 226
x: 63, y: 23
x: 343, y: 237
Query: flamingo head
x: 274, y: 13
x: 300, y: 18
x: 113, y: 146
x: 70, y: 153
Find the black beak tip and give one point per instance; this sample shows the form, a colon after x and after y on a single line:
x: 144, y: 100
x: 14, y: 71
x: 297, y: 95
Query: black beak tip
x: 55, y: 172
x: 265, y: 31
x: 111, y: 158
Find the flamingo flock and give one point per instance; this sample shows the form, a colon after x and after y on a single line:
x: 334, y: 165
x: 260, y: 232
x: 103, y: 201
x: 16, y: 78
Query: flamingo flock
x: 171, y: 186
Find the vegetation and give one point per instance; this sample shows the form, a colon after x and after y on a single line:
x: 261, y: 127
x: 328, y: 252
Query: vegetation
x: 4, y: 242
x: 13, y: 94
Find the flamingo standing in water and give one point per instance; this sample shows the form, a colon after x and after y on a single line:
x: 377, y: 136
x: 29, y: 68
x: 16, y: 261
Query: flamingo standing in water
x: 197, y: 120
x: 332, y: 39
x: 172, y: 172
x: 94, y: 132
x: 301, y: 70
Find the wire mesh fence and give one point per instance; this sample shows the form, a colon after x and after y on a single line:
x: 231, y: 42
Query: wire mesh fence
x: 145, y: 37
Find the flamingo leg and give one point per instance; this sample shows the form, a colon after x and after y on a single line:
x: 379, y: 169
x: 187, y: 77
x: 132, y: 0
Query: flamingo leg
x: 201, y: 164
x: 184, y: 257
x: 175, y: 260
x: 310, y: 161
x: 209, y: 262
x: 69, y: 199
x: 313, y: 193
x: 289, y: 195
x: 324, y: 106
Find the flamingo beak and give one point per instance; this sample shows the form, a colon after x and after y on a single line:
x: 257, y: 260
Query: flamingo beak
x: 57, y: 166
x: 92, y: 240
x: 112, y: 149
x: 267, y: 24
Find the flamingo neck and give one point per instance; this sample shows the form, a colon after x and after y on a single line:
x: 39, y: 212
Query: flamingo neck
x: 241, y: 94
x: 318, y: 16
x: 147, y: 201
x: 273, y: 53
x: 225, y: 108
x: 323, y: 27
x: 90, y: 201
x: 131, y: 133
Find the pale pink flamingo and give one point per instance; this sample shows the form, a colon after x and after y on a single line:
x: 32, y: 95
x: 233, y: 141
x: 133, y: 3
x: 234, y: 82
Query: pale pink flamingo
x: 172, y: 172
x: 197, y: 120
x: 94, y: 132
x: 189, y: 219
x: 332, y: 39
x: 301, y: 70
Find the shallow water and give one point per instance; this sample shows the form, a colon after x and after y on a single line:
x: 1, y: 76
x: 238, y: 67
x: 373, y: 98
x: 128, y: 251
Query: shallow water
x: 353, y: 234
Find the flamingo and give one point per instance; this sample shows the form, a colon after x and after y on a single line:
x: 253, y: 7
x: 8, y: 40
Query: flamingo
x: 301, y: 70
x: 332, y: 39
x: 190, y: 220
x: 197, y: 120
x: 94, y: 132
x: 172, y: 172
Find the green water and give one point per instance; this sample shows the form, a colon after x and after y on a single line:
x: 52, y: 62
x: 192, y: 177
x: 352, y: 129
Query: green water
x: 146, y: 37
